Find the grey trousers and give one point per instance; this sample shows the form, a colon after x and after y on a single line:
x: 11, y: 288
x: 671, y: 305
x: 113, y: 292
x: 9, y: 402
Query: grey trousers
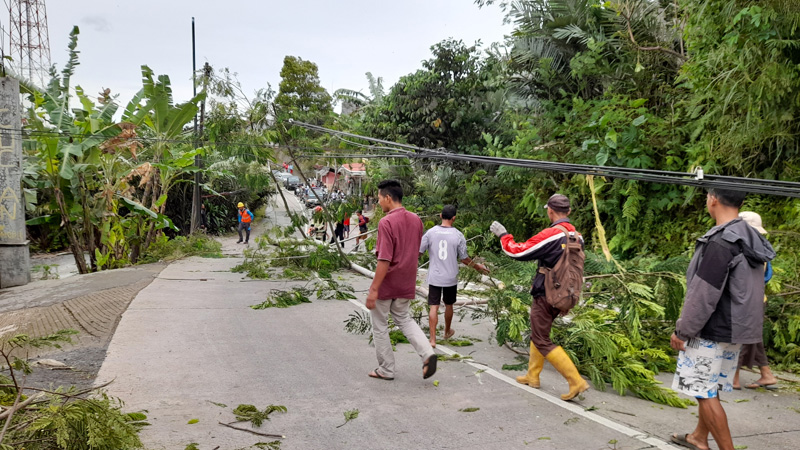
x: 399, y: 308
x: 246, y: 227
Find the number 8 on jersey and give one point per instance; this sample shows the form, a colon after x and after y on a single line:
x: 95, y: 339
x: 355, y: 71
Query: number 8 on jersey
x: 443, y: 250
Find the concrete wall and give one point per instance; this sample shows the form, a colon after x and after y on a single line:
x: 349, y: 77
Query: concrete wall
x: 14, y: 254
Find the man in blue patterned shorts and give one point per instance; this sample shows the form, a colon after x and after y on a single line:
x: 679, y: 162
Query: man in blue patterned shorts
x: 723, y: 310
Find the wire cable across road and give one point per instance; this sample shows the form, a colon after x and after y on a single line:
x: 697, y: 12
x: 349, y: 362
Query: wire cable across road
x: 696, y: 179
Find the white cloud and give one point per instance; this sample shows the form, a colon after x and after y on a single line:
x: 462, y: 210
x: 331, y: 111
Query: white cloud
x: 97, y: 23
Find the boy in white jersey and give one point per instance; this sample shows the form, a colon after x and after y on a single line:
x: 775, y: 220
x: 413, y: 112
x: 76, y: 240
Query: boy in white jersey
x: 446, y: 246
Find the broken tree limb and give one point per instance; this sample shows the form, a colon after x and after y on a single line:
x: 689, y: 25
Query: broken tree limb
x: 362, y: 270
x: 493, y: 282
x: 359, y: 235
x: 324, y: 208
x: 461, y: 300
x: 519, y: 352
x: 485, y: 280
x: 420, y: 290
x: 14, y: 408
x: 285, y: 203
x: 279, y: 436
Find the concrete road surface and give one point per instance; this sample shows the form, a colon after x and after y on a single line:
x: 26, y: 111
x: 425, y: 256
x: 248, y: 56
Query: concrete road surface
x: 189, y: 342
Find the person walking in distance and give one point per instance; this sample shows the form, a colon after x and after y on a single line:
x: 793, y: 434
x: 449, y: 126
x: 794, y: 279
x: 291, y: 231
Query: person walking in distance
x: 338, y: 232
x: 362, y: 228
x: 203, y: 217
x: 394, y: 286
x: 755, y: 354
x: 446, y: 247
x: 346, y: 224
x: 547, y: 247
x: 723, y: 309
x: 245, y: 219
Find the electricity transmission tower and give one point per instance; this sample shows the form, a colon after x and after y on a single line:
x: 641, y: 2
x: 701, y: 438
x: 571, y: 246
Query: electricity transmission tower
x: 29, y: 41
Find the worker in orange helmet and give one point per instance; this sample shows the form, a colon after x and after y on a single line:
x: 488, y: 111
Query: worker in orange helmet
x: 245, y: 219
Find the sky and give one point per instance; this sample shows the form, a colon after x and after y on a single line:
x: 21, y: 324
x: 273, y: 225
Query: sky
x: 345, y: 38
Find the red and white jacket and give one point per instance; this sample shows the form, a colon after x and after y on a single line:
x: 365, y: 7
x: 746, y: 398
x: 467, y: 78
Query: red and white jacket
x: 546, y: 247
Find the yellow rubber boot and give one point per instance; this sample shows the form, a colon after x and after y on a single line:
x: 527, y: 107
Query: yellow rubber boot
x: 560, y: 360
x: 535, y: 365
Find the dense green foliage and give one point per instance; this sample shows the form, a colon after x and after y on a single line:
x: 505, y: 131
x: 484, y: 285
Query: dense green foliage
x: 165, y: 249
x: 300, y: 95
x: 95, y: 176
x: 636, y: 83
x: 449, y: 103
x: 42, y: 419
x: 111, y: 187
x: 744, y: 76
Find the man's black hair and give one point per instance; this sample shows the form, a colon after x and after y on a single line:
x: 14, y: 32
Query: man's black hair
x: 728, y: 197
x: 359, y: 212
x: 448, y: 212
x: 392, y: 189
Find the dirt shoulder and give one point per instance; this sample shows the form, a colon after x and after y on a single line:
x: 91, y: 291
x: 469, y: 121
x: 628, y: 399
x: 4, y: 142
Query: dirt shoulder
x: 91, y: 304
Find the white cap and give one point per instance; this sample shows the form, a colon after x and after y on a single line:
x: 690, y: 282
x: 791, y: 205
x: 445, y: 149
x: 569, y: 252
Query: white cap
x: 753, y: 219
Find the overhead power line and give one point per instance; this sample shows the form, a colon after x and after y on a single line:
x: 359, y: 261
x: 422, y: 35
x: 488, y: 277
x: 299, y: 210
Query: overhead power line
x: 696, y: 179
x: 324, y: 151
x: 388, y: 149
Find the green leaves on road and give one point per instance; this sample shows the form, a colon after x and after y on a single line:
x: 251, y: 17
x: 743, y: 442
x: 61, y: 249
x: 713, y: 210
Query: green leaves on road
x: 348, y: 416
x: 249, y: 413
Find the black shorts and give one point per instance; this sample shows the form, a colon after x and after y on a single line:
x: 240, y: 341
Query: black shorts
x: 435, y: 295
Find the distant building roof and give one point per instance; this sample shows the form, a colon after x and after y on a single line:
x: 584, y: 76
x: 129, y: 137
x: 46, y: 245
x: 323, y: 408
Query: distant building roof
x: 354, y: 169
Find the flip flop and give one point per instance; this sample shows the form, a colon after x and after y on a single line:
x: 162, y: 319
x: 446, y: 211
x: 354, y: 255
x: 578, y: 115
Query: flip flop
x: 737, y: 388
x: 681, y: 440
x: 376, y: 374
x: 430, y: 364
x: 769, y: 387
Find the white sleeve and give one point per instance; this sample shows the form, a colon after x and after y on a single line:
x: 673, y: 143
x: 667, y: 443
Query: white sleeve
x: 423, y: 246
x: 462, y: 248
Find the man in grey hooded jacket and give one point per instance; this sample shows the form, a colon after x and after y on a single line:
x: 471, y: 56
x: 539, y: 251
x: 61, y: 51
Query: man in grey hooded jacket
x: 722, y: 310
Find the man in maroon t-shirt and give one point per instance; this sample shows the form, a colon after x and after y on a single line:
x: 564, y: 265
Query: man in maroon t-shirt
x: 394, y: 286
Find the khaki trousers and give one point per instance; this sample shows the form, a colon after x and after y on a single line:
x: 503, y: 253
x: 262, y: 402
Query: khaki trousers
x: 399, y: 308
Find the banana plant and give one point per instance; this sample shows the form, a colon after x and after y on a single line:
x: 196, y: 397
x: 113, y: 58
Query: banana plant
x: 163, y: 122
x: 89, y: 162
x: 66, y: 142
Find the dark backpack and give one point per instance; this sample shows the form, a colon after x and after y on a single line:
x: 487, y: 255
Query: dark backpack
x: 564, y: 281
x: 366, y: 220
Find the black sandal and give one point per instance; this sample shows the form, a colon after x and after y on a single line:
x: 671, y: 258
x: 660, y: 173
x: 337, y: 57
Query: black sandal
x: 684, y: 441
x: 430, y: 364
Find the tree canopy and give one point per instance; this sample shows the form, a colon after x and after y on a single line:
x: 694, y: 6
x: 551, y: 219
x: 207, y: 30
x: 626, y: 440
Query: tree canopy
x: 300, y: 94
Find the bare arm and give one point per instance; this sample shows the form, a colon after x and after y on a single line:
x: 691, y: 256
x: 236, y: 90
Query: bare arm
x: 380, y: 274
x: 477, y: 266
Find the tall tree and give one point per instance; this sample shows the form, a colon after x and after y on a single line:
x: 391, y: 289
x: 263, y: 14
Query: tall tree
x: 300, y: 95
x: 449, y: 103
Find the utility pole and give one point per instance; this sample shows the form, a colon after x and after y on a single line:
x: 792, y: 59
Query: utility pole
x: 15, y: 264
x: 195, y: 222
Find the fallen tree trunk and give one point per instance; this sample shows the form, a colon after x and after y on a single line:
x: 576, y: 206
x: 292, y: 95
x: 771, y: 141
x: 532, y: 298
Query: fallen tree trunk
x: 421, y: 290
x: 486, y: 280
